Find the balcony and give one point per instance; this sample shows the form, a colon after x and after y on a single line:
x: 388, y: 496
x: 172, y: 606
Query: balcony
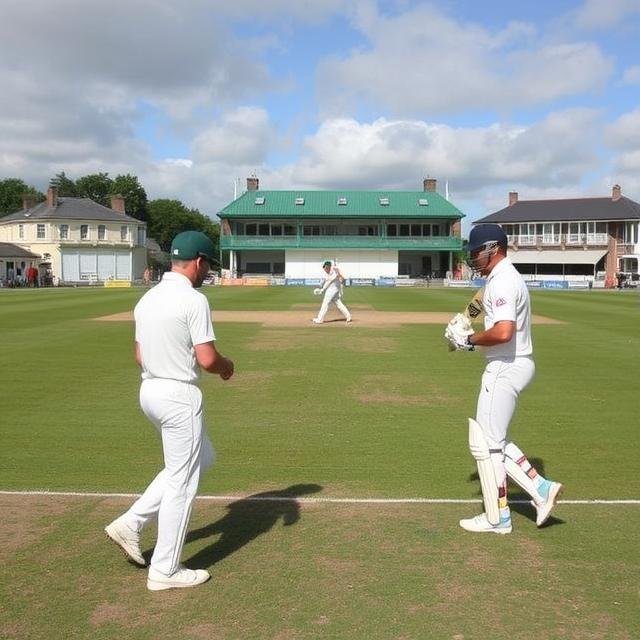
x: 568, y: 239
x: 426, y: 243
x: 92, y: 242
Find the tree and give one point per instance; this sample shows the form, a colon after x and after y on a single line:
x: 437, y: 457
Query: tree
x: 12, y: 191
x: 97, y: 186
x: 167, y: 218
x: 66, y: 186
x: 135, y: 197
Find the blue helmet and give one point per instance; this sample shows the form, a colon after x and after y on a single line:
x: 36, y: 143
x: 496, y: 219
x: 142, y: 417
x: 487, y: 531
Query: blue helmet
x: 483, y: 233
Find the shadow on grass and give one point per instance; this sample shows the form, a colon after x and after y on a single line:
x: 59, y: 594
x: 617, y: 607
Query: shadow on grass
x: 246, y: 519
x: 519, y: 501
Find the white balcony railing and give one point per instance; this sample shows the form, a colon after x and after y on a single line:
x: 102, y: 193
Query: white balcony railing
x: 574, y: 239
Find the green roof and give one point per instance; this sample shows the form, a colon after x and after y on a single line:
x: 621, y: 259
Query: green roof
x: 325, y: 204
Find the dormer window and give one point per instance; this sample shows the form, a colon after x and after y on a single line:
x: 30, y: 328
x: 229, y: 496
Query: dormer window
x: 342, y: 201
x: 259, y: 200
x: 299, y: 201
x: 384, y: 202
x: 423, y: 202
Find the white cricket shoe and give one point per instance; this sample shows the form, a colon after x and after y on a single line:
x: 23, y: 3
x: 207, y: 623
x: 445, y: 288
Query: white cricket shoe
x: 349, y: 319
x: 183, y: 578
x: 480, y: 524
x: 127, y: 539
x: 316, y: 321
x: 550, y: 492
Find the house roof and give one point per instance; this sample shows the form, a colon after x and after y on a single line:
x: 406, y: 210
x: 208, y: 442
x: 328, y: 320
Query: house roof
x: 69, y: 209
x: 8, y: 250
x: 571, y: 209
x: 325, y: 204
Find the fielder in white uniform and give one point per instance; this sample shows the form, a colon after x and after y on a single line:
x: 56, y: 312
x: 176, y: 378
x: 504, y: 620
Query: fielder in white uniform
x: 332, y: 289
x: 174, y: 339
x: 509, y: 369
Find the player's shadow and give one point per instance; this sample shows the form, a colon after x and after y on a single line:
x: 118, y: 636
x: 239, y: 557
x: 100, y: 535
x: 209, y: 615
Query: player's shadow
x: 519, y: 500
x: 246, y: 519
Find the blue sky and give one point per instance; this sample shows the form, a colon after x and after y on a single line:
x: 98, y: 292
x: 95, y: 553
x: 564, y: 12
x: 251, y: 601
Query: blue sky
x: 541, y: 98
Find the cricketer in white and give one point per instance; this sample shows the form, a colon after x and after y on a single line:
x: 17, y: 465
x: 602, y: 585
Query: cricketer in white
x: 509, y: 369
x: 174, y: 339
x: 332, y: 289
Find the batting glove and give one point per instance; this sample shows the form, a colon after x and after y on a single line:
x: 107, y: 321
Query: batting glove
x: 458, y: 336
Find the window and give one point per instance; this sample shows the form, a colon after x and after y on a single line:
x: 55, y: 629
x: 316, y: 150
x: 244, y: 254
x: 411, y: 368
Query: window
x: 426, y: 229
x: 289, y: 230
x: 251, y: 229
x: 423, y: 202
x: 311, y: 230
x: 404, y: 230
x: 124, y: 233
x: 102, y: 232
x: 276, y: 229
x: 342, y: 201
x: 392, y: 230
x: 299, y: 201
x: 263, y: 229
x: 435, y: 229
x: 41, y: 232
x: 64, y: 232
x: 416, y: 229
x: 551, y: 233
x: 575, y: 232
x: 84, y: 231
x: 384, y: 202
x: 259, y: 200
x: 142, y: 236
x: 21, y: 232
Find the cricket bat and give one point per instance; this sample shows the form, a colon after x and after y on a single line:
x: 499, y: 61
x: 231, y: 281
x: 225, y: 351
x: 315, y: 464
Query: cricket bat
x: 473, y: 310
x: 475, y: 306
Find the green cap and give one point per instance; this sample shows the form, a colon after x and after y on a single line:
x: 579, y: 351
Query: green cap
x: 190, y: 245
x: 326, y: 263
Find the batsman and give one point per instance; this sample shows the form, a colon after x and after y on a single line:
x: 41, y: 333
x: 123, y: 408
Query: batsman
x: 509, y: 369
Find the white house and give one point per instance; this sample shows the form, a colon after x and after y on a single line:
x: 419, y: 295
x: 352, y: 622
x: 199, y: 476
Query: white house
x: 78, y: 239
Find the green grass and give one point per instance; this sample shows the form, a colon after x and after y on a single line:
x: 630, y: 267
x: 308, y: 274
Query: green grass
x: 358, y: 412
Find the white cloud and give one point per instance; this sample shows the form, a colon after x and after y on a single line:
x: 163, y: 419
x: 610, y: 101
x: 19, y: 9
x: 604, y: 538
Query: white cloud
x: 424, y: 61
x: 604, y: 14
x: 631, y: 75
x: 624, y: 133
x: 399, y: 153
x: 241, y: 136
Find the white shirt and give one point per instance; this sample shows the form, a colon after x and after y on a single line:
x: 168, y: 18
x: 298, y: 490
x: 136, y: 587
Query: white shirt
x: 506, y: 297
x: 332, y: 280
x: 170, y: 319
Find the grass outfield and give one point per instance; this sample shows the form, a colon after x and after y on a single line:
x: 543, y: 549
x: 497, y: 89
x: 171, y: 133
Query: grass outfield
x: 348, y: 411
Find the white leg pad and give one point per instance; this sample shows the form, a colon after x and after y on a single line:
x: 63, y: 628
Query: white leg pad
x: 517, y: 474
x: 479, y: 448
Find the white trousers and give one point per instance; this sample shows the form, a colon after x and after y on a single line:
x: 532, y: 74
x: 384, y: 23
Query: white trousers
x: 333, y: 294
x: 175, y: 408
x: 502, y: 382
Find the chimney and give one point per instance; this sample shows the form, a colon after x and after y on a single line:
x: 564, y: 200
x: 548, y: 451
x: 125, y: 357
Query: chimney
x: 616, y: 192
x: 429, y: 184
x: 513, y: 198
x: 27, y: 201
x: 52, y: 196
x: 253, y: 183
x: 117, y: 203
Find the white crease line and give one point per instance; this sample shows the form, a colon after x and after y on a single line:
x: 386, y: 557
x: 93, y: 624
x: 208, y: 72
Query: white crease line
x: 253, y: 498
